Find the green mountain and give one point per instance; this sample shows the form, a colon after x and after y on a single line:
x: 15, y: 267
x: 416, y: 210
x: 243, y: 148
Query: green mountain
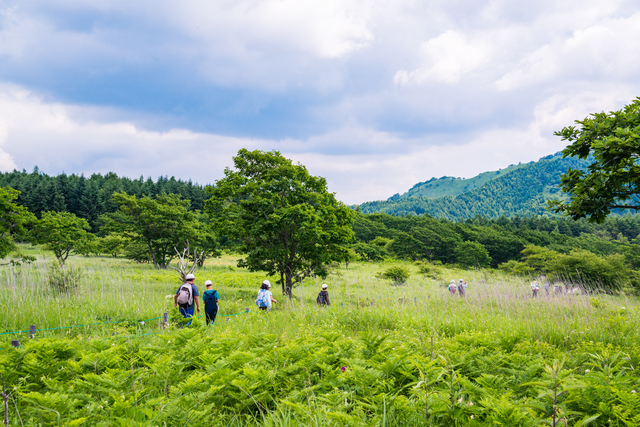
x: 517, y: 190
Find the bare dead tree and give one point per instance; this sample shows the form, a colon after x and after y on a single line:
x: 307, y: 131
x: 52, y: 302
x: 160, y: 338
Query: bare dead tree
x: 184, y: 258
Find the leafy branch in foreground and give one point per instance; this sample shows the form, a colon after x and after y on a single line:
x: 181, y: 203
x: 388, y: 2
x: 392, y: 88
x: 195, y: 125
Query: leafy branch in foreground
x: 612, y: 181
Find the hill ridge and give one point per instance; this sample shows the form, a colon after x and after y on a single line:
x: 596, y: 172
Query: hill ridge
x: 523, y: 190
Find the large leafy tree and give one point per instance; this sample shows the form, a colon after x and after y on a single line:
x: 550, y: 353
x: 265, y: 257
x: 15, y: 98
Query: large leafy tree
x: 61, y: 232
x: 286, y: 220
x: 160, y: 224
x: 13, y: 218
x: 612, y: 180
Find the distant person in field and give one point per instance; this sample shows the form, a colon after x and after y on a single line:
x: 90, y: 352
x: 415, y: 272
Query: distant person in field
x: 547, y: 287
x: 534, y: 289
x: 452, y: 287
x: 210, y: 298
x: 462, y: 288
x: 265, y: 299
x: 186, y: 297
x: 323, y: 296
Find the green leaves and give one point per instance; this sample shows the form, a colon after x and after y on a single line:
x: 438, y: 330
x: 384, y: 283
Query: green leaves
x: 612, y: 181
x: 189, y: 376
x: 286, y: 220
x: 13, y: 218
x: 61, y: 232
x: 154, y: 226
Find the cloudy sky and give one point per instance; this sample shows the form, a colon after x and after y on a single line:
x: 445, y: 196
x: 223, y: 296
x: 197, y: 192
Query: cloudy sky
x: 373, y: 95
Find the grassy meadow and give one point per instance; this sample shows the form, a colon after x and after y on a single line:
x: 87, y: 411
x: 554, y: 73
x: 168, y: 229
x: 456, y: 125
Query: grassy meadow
x: 380, y: 355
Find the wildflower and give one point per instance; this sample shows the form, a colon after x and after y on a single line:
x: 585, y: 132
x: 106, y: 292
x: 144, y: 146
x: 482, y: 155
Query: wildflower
x: 343, y: 368
x: 586, y: 371
x: 142, y: 322
x: 633, y: 391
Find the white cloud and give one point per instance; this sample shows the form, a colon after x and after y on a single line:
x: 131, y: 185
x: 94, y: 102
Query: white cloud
x: 376, y: 95
x: 591, y: 53
x: 446, y: 59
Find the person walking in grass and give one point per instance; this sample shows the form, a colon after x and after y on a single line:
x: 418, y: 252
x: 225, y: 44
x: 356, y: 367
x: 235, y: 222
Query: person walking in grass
x: 547, y: 287
x: 210, y: 298
x: 265, y: 299
x: 187, y: 297
x: 452, y: 287
x: 534, y: 289
x: 323, y: 296
x: 462, y: 288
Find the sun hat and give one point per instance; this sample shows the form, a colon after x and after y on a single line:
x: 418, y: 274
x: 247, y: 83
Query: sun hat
x: 325, y: 286
x: 190, y: 276
x: 453, y: 281
x: 266, y: 282
x: 208, y: 283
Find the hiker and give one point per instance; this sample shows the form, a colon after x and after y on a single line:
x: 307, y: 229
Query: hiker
x: 323, y: 296
x: 452, y: 287
x: 265, y: 299
x: 547, y: 286
x: 462, y: 288
x: 185, y: 297
x: 534, y: 289
x: 210, y: 298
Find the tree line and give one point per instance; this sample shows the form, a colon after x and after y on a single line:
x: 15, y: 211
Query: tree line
x: 604, y: 253
x: 148, y: 228
x: 89, y: 198
x: 284, y: 220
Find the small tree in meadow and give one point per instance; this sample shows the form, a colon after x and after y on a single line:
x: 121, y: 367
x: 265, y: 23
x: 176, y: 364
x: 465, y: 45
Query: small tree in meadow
x: 61, y: 232
x: 397, y: 274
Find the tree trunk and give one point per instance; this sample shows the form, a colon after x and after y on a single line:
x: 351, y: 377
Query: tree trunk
x: 288, y: 290
x: 282, y: 282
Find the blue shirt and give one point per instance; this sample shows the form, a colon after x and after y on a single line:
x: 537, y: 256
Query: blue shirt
x: 194, y: 289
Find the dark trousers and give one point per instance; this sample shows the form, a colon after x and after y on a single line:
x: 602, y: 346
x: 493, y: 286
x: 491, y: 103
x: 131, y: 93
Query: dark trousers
x: 211, y: 317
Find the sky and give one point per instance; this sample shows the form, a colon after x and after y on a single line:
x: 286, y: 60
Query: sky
x: 375, y: 96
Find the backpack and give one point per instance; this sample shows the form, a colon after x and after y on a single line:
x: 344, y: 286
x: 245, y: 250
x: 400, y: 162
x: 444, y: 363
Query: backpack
x: 261, y: 301
x: 210, y: 304
x: 185, y: 295
x: 321, y: 300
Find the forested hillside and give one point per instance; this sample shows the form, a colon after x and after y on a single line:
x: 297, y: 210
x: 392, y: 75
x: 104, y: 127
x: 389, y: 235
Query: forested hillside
x: 91, y: 197
x: 522, y: 190
x: 560, y: 247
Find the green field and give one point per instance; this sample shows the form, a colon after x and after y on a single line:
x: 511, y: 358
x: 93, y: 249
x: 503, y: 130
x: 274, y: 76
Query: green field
x: 381, y: 355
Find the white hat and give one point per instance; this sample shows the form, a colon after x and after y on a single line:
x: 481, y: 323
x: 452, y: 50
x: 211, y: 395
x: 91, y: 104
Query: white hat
x: 208, y: 282
x: 190, y: 276
x: 266, y: 282
x: 325, y: 286
x: 453, y: 281
x: 461, y: 280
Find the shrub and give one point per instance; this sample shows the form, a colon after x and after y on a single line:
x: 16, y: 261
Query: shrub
x: 433, y: 271
x: 398, y: 274
x: 472, y: 255
x: 63, y: 279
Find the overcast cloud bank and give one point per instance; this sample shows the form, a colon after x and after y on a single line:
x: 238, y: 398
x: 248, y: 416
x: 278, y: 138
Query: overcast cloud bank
x: 373, y: 95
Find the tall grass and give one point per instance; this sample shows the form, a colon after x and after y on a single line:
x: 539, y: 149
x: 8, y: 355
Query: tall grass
x: 126, y: 292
